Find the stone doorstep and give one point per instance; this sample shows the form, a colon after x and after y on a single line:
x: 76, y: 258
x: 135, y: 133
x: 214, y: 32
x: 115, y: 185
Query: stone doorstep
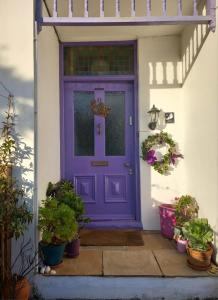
x: 130, y: 263
x: 88, y: 263
x: 158, y: 257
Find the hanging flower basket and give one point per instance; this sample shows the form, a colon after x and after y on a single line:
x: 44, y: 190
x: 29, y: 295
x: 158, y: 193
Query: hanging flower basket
x: 166, y: 162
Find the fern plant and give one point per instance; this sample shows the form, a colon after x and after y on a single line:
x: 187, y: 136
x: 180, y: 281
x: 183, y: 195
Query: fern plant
x: 198, y: 233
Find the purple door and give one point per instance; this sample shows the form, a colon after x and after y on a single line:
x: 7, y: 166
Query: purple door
x: 99, y: 152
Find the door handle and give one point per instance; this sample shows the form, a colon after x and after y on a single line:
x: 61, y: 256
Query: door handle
x: 99, y: 129
x: 130, y: 169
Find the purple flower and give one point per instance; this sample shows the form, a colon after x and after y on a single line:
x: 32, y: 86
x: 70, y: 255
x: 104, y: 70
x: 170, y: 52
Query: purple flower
x: 151, y: 157
x: 174, y: 157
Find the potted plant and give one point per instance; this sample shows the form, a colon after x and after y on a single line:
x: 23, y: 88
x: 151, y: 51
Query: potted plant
x: 64, y: 192
x: 15, y: 214
x: 24, y: 263
x: 181, y: 241
x: 186, y: 208
x: 200, y: 236
x: 58, y: 225
x: 167, y: 219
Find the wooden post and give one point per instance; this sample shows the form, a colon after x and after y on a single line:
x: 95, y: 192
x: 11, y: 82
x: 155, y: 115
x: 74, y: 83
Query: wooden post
x: 211, y: 11
x: 86, y: 9
x: 70, y: 9
x: 117, y: 4
x: 195, y: 10
x: 164, y: 7
x: 55, y: 11
x: 148, y: 8
x: 101, y: 8
x: 180, y: 8
x: 132, y: 8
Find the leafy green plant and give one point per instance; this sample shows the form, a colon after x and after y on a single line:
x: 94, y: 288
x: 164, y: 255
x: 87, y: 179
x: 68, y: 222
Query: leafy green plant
x: 57, y: 222
x: 186, y: 209
x: 14, y: 213
x: 198, y: 233
x: 64, y: 192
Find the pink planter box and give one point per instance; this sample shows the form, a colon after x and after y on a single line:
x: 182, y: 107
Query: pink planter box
x: 167, y: 220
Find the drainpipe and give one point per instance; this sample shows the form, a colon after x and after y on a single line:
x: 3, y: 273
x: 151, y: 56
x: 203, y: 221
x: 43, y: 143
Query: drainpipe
x: 35, y: 191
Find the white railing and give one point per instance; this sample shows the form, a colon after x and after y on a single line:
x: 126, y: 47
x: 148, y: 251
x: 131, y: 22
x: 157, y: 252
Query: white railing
x: 149, y: 17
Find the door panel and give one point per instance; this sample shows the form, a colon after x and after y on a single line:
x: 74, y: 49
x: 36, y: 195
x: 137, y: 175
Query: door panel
x: 99, y: 152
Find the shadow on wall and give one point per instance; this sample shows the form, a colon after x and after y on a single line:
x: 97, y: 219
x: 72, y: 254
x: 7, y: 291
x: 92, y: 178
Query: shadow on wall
x: 164, y: 74
x: 160, y: 67
x: 193, y: 39
x: 23, y: 91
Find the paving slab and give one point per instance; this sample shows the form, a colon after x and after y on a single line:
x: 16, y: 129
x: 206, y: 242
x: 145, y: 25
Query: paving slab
x: 174, y: 264
x: 89, y: 262
x: 156, y: 242
x: 130, y: 263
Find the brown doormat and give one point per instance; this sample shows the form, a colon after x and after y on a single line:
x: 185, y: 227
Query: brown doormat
x: 114, y: 237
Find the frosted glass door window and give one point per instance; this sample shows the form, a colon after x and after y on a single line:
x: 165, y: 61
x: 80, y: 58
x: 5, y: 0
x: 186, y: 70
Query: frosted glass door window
x: 83, y: 124
x: 115, y: 124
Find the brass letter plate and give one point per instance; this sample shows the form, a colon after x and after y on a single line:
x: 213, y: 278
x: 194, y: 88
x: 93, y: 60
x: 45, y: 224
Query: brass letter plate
x: 99, y: 163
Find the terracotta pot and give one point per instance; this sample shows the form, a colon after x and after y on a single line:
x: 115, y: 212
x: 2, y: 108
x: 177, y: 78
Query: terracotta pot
x: 21, y: 291
x: 199, y: 260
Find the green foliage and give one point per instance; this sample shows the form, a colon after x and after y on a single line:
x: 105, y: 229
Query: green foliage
x: 64, y: 192
x: 198, y: 233
x: 186, y: 209
x: 14, y: 214
x: 57, y: 222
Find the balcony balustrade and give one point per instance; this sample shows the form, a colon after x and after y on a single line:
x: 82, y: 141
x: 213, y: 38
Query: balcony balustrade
x: 149, y: 17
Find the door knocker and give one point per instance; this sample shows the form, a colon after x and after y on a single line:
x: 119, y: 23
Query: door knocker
x: 99, y: 108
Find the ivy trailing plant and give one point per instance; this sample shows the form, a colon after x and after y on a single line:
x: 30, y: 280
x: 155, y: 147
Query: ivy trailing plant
x: 167, y: 161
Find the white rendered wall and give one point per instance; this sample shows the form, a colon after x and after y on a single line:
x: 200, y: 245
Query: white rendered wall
x: 48, y: 110
x: 200, y: 115
x: 160, y: 55
x: 17, y: 74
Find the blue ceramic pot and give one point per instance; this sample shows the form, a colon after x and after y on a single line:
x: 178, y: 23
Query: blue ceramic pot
x: 51, y: 254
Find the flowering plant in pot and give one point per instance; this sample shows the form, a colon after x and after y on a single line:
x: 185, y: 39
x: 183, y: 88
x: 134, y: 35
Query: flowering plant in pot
x: 186, y: 208
x: 58, y: 225
x: 64, y: 192
x: 199, y: 234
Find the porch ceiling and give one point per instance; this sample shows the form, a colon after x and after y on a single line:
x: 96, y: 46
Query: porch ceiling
x: 84, y: 33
